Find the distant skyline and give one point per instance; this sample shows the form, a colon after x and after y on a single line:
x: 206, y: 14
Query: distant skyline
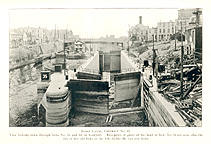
x: 90, y: 22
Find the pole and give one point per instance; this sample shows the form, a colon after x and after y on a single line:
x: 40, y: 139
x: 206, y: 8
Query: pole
x: 90, y: 45
x: 175, y: 38
x: 55, y: 40
x: 64, y: 57
x: 128, y: 47
x: 181, y: 78
x: 128, y: 40
x: 153, y: 63
x: 157, y: 70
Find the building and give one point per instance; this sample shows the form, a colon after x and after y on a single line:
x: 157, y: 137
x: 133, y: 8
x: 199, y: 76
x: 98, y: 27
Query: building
x: 139, y: 32
x: 194, y: 43
x: 165, y: 30
x: 193, y: 34
x: 37, y: 35
x: 14, y: 39
x: 79, y: 46
x: 184, y: 18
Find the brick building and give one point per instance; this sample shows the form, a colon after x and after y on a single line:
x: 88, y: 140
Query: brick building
x: 139, y: 32
x: 165, y: 30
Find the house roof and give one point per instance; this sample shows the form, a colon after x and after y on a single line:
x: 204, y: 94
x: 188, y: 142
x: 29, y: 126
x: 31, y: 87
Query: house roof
x: 139, y: 26
x: 78, y: 42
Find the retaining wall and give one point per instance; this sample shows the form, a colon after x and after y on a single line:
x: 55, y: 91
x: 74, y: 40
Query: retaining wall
x: 159, y: 111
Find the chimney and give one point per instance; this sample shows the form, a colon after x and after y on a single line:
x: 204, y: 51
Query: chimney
x: 140, y: 19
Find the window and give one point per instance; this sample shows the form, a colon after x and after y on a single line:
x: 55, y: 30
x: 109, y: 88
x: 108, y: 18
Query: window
x: 163, y: 30
x: 172, y: 30
x: 163, y: 24
x: 168, y: 30
x: 160, y: 30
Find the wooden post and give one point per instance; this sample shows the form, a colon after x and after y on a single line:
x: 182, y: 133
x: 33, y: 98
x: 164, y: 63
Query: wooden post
x: 153, y: 50
x: 64, y: 57
x: 181, y: 78
x: 175, y: 38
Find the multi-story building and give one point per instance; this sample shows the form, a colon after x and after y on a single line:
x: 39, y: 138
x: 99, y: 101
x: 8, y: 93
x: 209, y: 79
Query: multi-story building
x: 184, y: 17
x: 193, y: 34
x: 14, y: 39
x: 37, y: 35
x: 165, y: 30
x: 152, y: 32
x: 139, y: 32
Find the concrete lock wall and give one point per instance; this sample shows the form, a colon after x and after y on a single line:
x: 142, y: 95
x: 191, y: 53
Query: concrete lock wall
x: 90, y: 96
x: 57, y: 106
x: 126, y: 86
x: 125, y: 63
x: 41, y: 89
x: 94, y: 63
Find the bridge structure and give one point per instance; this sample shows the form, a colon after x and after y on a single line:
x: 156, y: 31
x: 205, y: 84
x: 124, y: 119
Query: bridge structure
x: 115, y: 41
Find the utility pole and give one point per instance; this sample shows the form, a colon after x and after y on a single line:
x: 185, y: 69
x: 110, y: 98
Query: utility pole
x: 90, y: 46
x: 128, y: 45
x: 181, y: 78
x: 64, y: 57
x: 175, y: 37
x: 128, y: 40
x: 157, y: 70
x: 55, y: 39
x: 153, y: 62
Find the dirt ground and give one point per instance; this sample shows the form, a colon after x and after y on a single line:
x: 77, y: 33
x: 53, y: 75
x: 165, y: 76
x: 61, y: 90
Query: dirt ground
x: 23, y: 94
x: 81, y: 119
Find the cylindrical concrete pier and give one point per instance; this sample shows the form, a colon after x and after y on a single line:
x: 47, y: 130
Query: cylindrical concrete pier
x: 57, y: 107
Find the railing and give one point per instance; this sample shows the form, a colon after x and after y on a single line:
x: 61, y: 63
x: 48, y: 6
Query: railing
x: 129, y: 70
x: 91, y: 71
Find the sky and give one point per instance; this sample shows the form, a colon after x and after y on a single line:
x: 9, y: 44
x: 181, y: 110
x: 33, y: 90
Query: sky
x: 90, y: 22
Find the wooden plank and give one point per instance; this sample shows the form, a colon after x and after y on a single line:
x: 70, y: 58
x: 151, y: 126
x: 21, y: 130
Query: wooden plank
x: 126, y: 76
x: 169, y: 113
x: 127, y: 94
x: 93, y: 93
x: 80, y: 102
x: 97, y: 100
x: 126, y: 113
x: 97, y: 111
x: 126, y: 110
x: 126, y: 86
x: 88, y: 85
x: 83, y: 75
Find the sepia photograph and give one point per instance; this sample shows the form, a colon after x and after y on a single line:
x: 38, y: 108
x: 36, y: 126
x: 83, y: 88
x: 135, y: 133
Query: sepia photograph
x: 105, y: 67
